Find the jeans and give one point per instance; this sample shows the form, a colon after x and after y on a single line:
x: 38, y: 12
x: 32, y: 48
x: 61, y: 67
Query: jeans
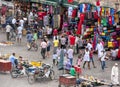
x: 71, y: 60
x: 103, y: 65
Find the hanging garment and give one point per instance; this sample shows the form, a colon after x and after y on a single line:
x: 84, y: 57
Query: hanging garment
x: 82, y: 16
x: 46, y: 20
x: 70, y: 1
x: 89, y: 15
x: 79, y: 28
x: 95, y: 14
x: 104, y: 21
x: 70, y: 9
x: 59, y: 18
x: 103, y: 11
x: 74, y: 13
x: 113, y: 20
x: 55, y: 20
x: 51, y: 10
x: 80, y: 8
x: 83, y: 8
x: 98, y: 10
x: 110, y: 20
x: 112, y: 11
x: 98, y: 2
x: 116, y: 18
x: 88, y: 7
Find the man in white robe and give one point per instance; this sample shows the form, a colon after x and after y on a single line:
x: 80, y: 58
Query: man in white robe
x: 114, y: 74
x: 99, y: 48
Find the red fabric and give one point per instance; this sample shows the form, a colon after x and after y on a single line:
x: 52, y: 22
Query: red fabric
x: 72, y: 40
x: 74, y: 12
x: 55, y: 32
x: 96, y: 15
x: 78, y: 69
x: 98, y: 2
x: 119, y: 54
x: 79, y: 28
x: 70, y: 1
x: 82, y: 17
x: 41, y: 15
x: 3, y: 10
x: 110, y: 20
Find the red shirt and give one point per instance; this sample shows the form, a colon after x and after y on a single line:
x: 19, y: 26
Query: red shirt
x: 55, y: 32
x: 72, y: 40
x: 110, y: 20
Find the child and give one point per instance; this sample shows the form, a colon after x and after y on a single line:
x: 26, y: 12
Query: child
x: 91, y: 57
x: 54, y: 57
x: 79, y: 60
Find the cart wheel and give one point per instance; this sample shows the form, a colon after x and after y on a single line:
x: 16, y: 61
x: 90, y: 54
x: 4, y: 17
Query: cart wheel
x: 52, y: 75
x: 31, y: 79
x: 14, y: 73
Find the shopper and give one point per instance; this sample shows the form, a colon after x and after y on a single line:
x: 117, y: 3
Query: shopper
x: 19, y: 34
x: 8, y: 28
x: 43, y: 48
x: 86, y: 58
x: 115, y: 75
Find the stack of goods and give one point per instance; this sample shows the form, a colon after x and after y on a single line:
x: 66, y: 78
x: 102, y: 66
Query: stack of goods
x: 6, y: 43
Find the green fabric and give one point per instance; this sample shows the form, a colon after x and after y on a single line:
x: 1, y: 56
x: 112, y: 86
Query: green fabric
x: 35, y: 36
x: 72, y: 71
x: 104, y: 21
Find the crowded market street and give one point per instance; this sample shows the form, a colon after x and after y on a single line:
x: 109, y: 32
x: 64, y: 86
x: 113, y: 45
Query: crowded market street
x: 59, y: 43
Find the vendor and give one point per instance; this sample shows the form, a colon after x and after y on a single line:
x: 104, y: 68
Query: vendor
x: 72, y: 71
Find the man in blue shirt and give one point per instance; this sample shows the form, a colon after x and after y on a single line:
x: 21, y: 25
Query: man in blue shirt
x: 12, y: 59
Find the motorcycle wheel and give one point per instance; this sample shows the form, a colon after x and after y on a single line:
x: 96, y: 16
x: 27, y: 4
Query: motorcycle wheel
x: 14, y: 73
x: 31, y: 79
x: 52, y: 75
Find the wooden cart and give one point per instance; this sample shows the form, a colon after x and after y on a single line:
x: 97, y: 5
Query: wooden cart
x: 67, y: 80
x: 5, y: 66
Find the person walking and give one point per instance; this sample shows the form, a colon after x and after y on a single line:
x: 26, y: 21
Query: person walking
x: 43, y: 48
x: 103, y: 59
x: 70, y: 53
x: 19, y: 34
x: 115, y: 75
x: 86, y: 58
x: 91, y: 57
x: 8, y: 28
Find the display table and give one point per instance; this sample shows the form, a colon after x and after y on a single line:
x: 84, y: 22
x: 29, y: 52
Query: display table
x: 5, y: 65
x: 67, y: 80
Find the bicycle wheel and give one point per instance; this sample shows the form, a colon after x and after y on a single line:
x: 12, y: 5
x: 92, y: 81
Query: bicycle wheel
x: 31, y: 79
x: 52, y: 75
x: 14, y: 73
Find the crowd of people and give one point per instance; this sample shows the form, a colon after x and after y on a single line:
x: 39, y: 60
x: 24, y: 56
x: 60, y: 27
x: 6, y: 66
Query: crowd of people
x: 65, y: 45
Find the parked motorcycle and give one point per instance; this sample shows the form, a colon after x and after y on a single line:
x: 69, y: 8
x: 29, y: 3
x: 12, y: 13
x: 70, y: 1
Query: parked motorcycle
x: 46, y: 71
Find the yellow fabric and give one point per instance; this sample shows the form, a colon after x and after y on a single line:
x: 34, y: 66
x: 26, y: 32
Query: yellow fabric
x: 110, y: 44
x: 56, y: 43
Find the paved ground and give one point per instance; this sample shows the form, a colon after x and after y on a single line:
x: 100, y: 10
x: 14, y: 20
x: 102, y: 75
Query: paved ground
x: 20, y: 49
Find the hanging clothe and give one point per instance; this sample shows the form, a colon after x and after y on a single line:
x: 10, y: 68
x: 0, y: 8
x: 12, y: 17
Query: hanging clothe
x: 74, y: 13
x: 113, y: 20
x: 46, y: 20
x: 104, y: 21
x: 70, y: 9
x: 110, y: 20
x: 116, y: 18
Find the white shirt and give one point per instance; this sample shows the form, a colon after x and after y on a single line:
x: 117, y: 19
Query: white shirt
x: 70, y: 53
x: 19, y: 29
x: 113, y: 53
x: 103, y: 56
x: 13, y: 21
x: 54, y: 56
x: 89, y: 46
x: 43, y: 44
x: 99, y: 47
x: 8, y: 28
x: 21, y: 22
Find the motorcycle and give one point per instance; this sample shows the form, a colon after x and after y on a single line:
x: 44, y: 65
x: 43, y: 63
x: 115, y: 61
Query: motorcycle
x: 46, y: 71
x: 24, y: 69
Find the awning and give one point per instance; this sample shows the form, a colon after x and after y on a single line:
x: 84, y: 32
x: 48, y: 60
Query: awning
x: 74, y: 4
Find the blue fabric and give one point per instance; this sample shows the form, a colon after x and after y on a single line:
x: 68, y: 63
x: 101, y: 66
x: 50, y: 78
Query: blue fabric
x: 112, y: 11
x: 113, y: 20
x: 88, y: 7
x: 98, y: 9
x: 81, y: 6
x: 103, y: 65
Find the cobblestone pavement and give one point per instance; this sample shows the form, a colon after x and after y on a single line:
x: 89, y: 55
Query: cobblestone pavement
x: 21, y: 49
